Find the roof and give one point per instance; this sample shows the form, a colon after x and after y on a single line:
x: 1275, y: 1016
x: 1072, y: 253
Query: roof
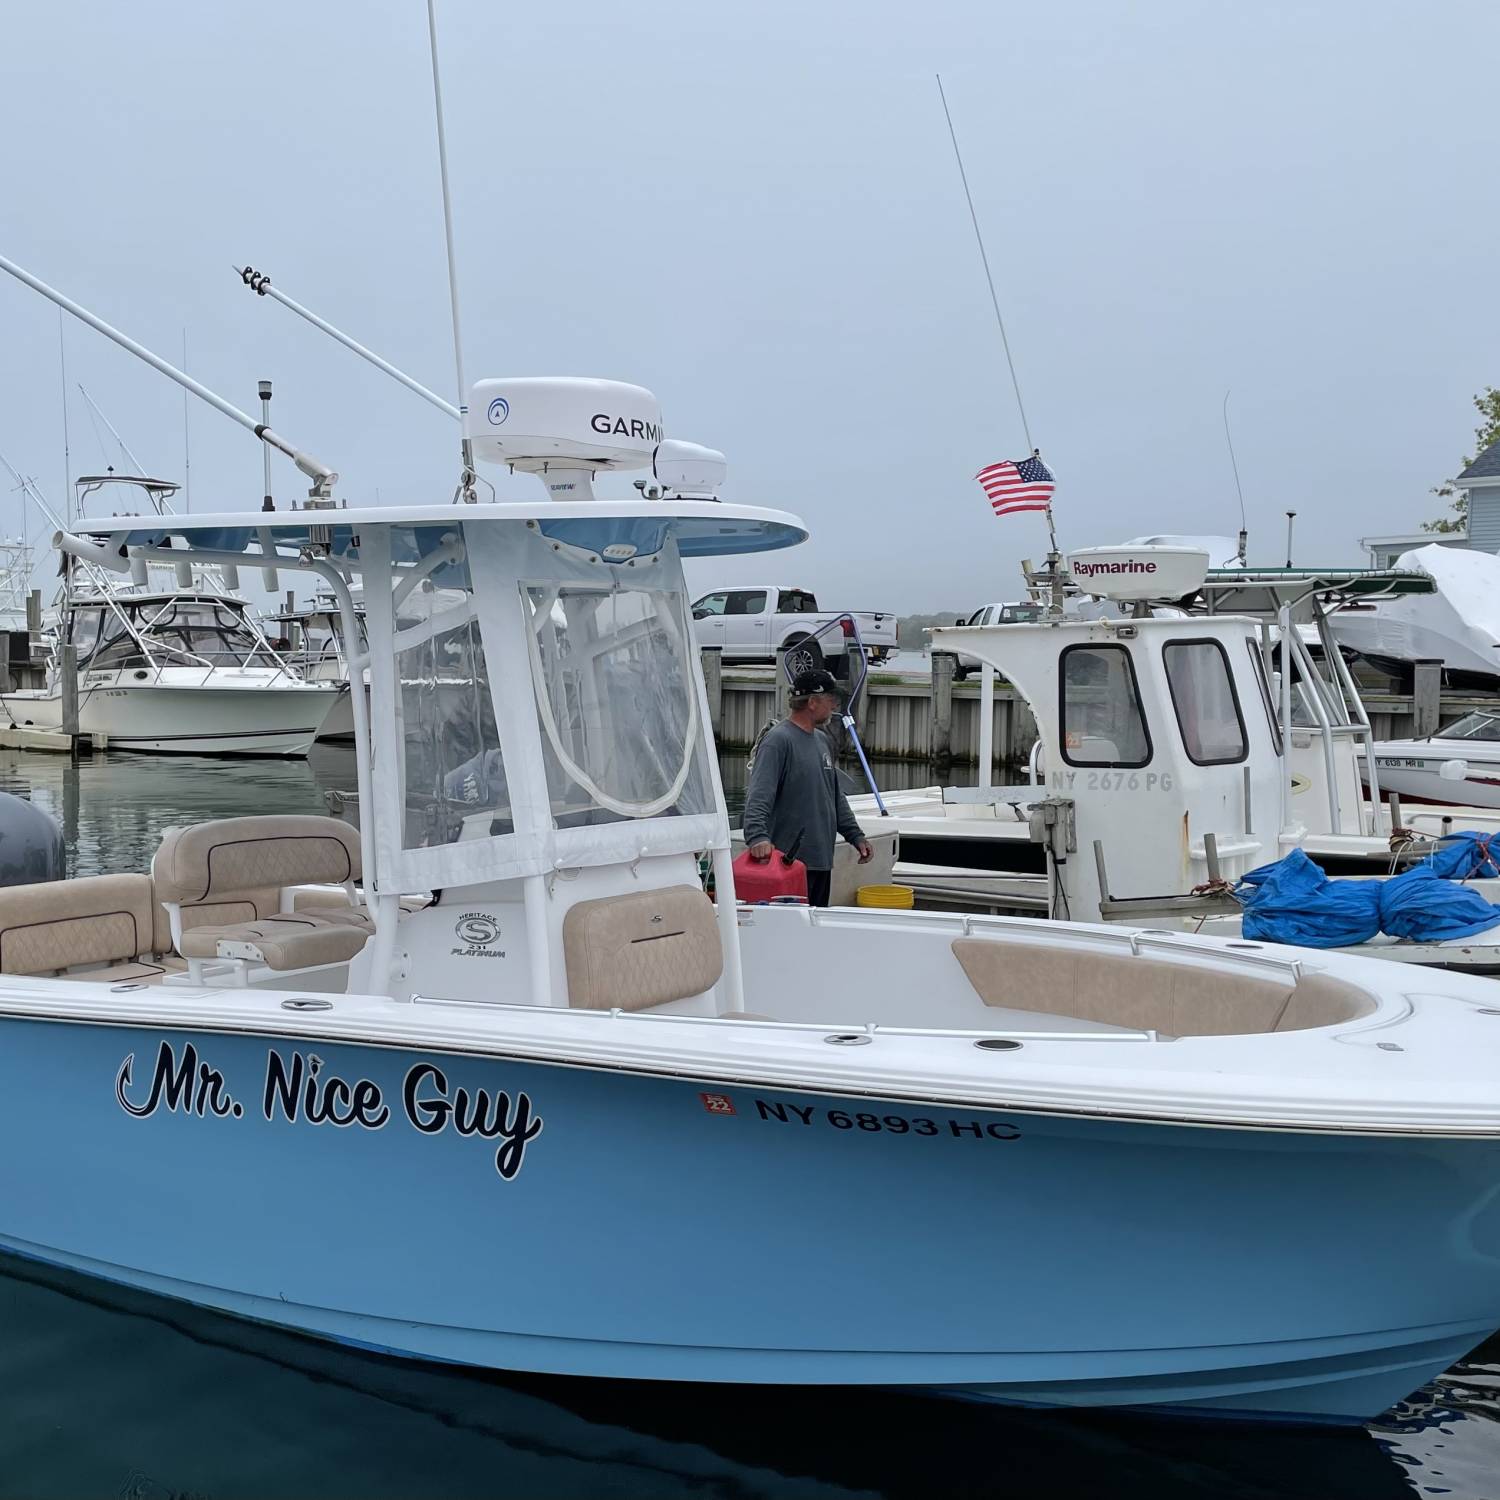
x: 1486, y: 466
x: 701, y: 528
x: 1262, y: 591
x: 1406, y: 540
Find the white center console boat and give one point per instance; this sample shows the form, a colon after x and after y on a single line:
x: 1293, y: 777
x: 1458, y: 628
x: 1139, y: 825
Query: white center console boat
x: 493, y: 1082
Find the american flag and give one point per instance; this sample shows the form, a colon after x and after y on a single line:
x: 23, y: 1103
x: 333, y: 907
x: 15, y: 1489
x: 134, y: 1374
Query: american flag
x: 1014, y: 485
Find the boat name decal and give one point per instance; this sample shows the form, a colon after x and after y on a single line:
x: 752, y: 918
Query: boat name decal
x: 298, y: 1090
x: 839, y: 1119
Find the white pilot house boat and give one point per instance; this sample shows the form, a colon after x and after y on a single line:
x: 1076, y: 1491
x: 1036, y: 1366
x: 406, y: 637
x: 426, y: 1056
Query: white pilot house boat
x: 493, y: 1082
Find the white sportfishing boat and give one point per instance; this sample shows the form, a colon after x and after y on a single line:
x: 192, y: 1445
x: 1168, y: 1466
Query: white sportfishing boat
x: 170, y: 667
x: 501, y: 1031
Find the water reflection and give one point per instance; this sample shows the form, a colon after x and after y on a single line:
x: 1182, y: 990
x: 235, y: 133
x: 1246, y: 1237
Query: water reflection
x: 114, y: 807
x: 110, y: 1392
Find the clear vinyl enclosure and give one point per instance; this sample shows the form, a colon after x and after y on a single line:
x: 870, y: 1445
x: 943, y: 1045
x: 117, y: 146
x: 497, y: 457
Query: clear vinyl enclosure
x: 615, y: 702
x: 546, y: 717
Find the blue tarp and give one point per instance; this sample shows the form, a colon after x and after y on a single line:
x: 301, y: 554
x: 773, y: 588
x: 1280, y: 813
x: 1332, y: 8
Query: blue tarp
x: 1424, y: 907
x: 1464, y: 856
x: 1293, y: 901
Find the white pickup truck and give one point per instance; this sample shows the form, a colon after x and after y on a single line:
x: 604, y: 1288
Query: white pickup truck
x: 753, y: 624
x: 1016, y: 612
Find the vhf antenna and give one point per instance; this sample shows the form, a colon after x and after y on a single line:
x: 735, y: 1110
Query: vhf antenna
x: 1244, y: 533
x: 466, y: 479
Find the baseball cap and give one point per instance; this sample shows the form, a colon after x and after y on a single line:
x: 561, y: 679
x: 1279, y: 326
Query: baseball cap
x: 805, y: 684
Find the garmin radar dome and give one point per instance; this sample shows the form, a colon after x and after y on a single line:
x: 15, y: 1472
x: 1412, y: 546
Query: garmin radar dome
x: 565, y: 428
x: 1130, y: 574
x: 688, y: 471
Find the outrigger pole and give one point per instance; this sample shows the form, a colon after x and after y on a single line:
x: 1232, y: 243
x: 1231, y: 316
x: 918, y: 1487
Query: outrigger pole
x: 323, y: 478
x: 260, y: 284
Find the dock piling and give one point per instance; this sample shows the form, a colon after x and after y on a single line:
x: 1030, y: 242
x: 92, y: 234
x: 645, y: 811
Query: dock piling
x: 1427, y: 693
x: 943, y: 663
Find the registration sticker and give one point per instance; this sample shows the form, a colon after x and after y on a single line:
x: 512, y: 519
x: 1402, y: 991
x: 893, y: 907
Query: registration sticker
x: 717, y: 1104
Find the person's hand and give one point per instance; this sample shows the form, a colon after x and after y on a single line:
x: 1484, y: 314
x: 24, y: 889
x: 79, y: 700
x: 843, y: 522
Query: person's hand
x: 761, y: 851
x: 866, y: 853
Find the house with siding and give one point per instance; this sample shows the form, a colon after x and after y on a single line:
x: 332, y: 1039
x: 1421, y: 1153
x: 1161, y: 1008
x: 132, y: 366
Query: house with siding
x: 1480, y: 484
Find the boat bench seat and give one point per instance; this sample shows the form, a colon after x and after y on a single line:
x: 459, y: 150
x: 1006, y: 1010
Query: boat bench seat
x: 99, y: 927
x: 642, y: 949
x: 222, y: 886
x: 1151, y: 994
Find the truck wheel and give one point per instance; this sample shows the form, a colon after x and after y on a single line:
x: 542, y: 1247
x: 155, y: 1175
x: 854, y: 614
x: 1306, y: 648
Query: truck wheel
x: 959, y: 673
x: 802, y: 654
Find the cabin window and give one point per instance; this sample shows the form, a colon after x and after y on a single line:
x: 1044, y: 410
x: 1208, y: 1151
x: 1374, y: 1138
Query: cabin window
x: 617, y: 703
x: 1102, y: 720
x: 454, y: 774
x: 114, y: 649
x: 1267, y: 697
x: 1203, y: 697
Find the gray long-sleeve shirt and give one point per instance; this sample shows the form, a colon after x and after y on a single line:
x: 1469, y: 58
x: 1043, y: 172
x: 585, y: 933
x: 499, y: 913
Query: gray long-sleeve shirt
x: 794, y: 789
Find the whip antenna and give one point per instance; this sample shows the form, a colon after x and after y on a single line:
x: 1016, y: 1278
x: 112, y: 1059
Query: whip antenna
x: 1234, y: 464
x: 466, y: 480
x: 994, y: 300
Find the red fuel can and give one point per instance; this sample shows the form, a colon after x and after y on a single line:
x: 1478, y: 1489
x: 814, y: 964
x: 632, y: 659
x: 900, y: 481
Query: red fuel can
x: 754, y: 881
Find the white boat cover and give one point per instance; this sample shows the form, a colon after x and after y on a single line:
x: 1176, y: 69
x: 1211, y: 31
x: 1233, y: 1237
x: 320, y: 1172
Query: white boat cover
x: 1459, y: 624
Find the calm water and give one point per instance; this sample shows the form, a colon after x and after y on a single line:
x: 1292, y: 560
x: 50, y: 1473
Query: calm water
x: 110, y: 1393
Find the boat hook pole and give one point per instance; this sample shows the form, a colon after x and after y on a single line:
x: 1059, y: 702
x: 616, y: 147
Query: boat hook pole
x: 323, y: 478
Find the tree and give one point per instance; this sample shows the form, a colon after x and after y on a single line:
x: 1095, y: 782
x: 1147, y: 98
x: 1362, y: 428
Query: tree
x: 1487, y: 404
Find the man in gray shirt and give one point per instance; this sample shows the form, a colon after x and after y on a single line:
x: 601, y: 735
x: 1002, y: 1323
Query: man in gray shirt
x: 794, y: 795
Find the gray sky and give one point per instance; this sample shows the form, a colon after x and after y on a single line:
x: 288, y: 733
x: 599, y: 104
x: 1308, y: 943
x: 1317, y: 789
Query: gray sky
x: 754, y: 210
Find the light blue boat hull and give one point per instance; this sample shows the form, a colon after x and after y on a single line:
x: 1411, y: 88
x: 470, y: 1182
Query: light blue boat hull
x: 645, y: 1231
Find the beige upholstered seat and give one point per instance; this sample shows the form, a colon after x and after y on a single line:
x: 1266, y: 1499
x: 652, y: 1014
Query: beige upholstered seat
x: 632, y: 952
x: 102, y: 925
x: 300, y: 941
x: 224, y: 880
x: 1149, y: 994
